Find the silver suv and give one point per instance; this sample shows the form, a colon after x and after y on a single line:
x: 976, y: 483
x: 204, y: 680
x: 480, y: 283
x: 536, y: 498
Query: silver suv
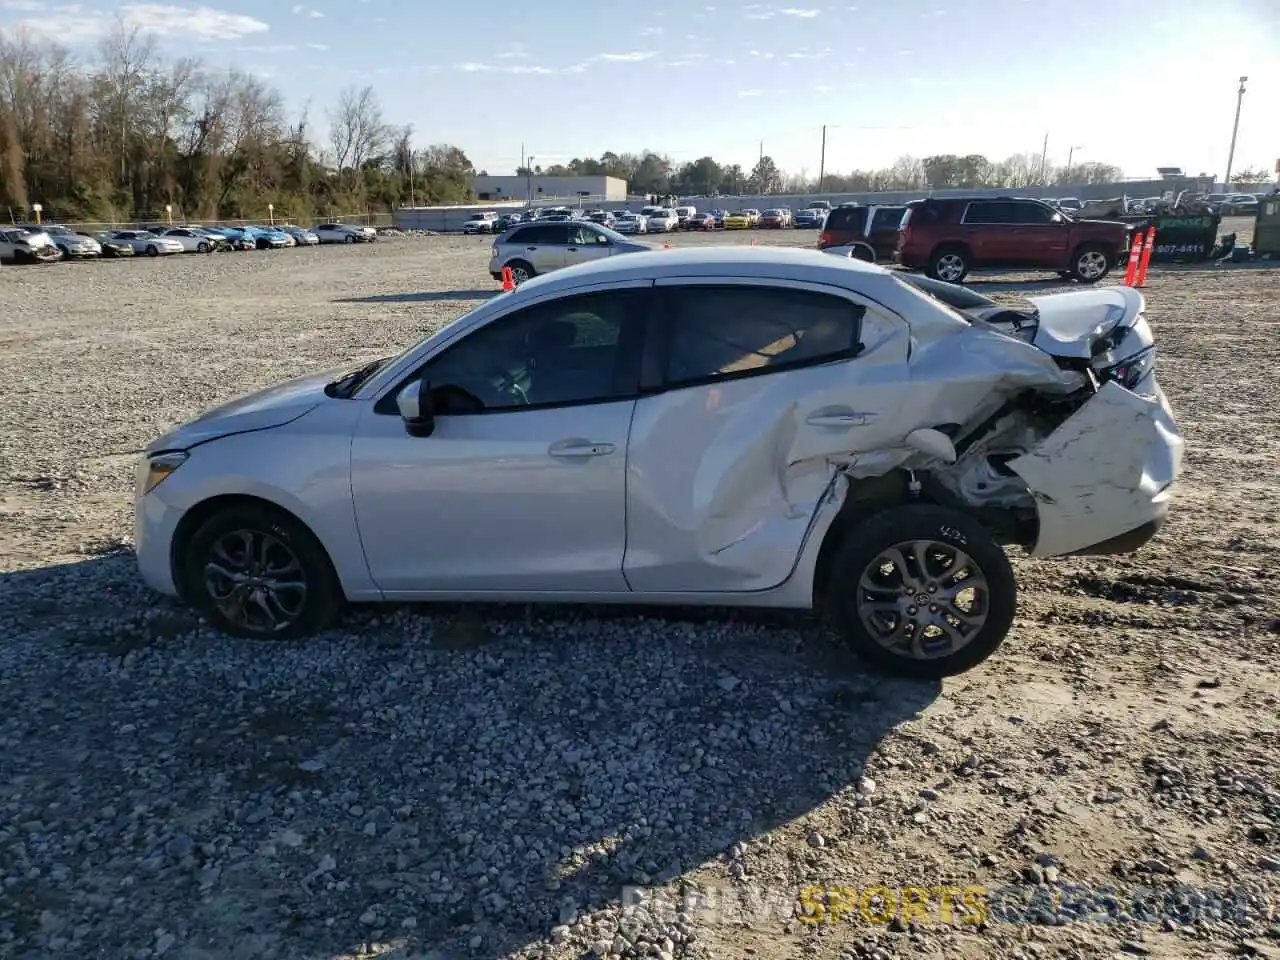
x: 533, y: 248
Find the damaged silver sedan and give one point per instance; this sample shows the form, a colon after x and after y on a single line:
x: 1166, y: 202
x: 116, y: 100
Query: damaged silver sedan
x: 713, y: 426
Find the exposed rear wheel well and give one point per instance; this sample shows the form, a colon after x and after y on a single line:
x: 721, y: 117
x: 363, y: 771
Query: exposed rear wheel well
x: 865, y: 498
x: 196, y: 517
x: 876, y: 494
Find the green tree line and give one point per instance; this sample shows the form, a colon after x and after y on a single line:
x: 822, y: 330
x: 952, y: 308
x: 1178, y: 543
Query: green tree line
x: 127, y: 133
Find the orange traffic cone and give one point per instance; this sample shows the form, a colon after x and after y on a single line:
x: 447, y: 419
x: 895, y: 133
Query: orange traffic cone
x: 666, y: 246
x: 508, y: 279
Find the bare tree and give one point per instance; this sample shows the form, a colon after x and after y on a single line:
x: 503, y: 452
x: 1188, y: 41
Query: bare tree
x: 357, y: 131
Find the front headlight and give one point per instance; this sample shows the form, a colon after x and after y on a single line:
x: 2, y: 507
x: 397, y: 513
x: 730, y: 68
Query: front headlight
x: 160, y: 466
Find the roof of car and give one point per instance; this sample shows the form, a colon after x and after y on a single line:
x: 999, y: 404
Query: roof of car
x: 761, y: 262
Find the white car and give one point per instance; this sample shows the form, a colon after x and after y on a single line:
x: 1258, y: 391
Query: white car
x: 664, y: 221
x: 481, y: 223
x: 191, y: 240
x: 709, y: 426
x: 143, y: 241
x: 19, y: 245
x: 344, y: 233
x: 631, y: 223
x: 72, y: 245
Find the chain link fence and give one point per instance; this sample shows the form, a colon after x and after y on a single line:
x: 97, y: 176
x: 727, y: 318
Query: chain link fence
x: 176, y: 219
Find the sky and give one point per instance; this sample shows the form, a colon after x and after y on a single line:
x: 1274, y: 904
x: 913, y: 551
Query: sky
x: 1146, y: 83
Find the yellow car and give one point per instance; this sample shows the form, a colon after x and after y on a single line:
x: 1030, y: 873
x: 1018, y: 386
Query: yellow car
x: 738, y: 221
x: 754, y: 215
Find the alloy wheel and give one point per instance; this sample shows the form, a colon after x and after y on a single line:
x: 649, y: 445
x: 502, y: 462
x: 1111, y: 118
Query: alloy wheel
x: 255, y: 581
x: 923, y: 599
x: 1091, y: 264
x: 950, y: 267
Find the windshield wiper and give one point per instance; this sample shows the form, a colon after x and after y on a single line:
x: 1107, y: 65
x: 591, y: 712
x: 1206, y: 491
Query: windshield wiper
x: 344, y: 387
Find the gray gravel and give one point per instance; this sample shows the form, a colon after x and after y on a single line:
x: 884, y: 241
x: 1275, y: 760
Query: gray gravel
x: 495, y: 782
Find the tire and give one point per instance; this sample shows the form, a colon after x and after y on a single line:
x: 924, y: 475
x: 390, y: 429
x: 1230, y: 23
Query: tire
x: 289, y: 546
x: 872, y: 634
x: 202, y: 247
x: 66, y: 252
x: 864, y: 253
x: 349, y: 238
x: 521, y: 270
x: 949, y: 264
x: 1090, y: 263
x: 152, y: 251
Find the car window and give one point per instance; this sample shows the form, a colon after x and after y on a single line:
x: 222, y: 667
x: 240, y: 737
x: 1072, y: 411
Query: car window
x: 1031, y: 213
x: 717, y: 332
x: 580, y: 349
x: 586, y: 236
x: 991, y: 211
x: 846, y: 218
x: 885, y: 218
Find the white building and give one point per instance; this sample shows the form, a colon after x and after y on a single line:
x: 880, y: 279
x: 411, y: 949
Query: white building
x: 548, y: 188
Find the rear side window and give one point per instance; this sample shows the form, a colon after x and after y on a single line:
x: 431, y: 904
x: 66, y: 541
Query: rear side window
x: 992, y: 211
x: 721, y: 332
x: 887, y: 218
x: 541, y: 233
x: 846, y: 218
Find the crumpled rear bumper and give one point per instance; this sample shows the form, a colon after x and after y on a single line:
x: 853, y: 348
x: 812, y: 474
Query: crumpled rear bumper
x: 1102, y: 481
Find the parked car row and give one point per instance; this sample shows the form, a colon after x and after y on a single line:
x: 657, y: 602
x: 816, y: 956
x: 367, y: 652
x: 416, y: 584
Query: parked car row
x: 45, y: 243
x: 657, y: 219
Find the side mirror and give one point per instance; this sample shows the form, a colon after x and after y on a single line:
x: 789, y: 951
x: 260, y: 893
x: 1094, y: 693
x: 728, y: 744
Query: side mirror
x: 417, y: 408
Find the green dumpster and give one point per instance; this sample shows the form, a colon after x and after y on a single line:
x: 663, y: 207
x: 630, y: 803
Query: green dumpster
x: 1180, y: 238
x: 1266, y: 229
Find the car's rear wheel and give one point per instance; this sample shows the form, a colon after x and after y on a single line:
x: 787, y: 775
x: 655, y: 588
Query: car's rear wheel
x: 521, y: 271
x: 152, y: 250
x: 1090, y: 263
x: 202, y: 247
x: 922, y: 591
x: 949, y: 264
x: 256, y: 572
x: 349, y: 239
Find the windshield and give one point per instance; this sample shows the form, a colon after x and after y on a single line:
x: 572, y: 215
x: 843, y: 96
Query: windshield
x: 611, y: 234
x: 346, y: 385
x: 58, y: 231
x: 920, y: 290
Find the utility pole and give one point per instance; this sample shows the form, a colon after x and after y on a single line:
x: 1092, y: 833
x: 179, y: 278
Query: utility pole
x: 822, y: 161
x: 1070, y: 156
x: 1235, y: 128
x: 528, y: 182
x: 1044, y: 159
x: 411, y: 200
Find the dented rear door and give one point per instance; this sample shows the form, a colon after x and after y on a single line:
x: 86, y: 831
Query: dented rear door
x: 761, y: 395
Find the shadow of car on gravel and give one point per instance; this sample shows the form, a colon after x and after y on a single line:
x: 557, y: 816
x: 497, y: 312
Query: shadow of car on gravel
x: 491, y: 791
x: 428, y: 296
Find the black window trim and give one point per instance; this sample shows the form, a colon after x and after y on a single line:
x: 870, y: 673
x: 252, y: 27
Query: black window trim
x: 1024, y: 201
x: 386, y: 404
x: 654, y: 381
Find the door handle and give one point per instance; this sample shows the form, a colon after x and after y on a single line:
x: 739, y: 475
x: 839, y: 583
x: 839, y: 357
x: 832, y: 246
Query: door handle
x: 577, y: 447
x: 571, y: 250
x: 530, y: 249
x: 839, y: 417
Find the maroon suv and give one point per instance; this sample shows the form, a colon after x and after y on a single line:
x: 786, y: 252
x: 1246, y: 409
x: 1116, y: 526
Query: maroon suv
x: 872, y: 231
x: 949, y: 237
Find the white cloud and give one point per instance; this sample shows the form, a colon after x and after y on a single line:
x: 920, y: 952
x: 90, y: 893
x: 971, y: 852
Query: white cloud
x: 516, y: 52
x: 269, y: 48
x: 651, y: 32
x: 302, y: 11
x: 505, y: 68
x: 802, y: 14
x: 28, y: 6
x: 807, y: 55
x: 750, y: 93
x: 631, y: 57
x: 318, y: 46
x: 74, y: 24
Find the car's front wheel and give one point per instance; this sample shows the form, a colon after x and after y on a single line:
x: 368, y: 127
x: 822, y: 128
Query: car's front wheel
x: 349, y: 239
x: 202, y: 247
x: 922, y: 591
x: 1090, y: 263
x: 152, y: 250
x: 256, y: 572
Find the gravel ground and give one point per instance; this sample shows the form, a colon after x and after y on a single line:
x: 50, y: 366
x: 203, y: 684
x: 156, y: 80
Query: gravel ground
x: 489, y: 782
